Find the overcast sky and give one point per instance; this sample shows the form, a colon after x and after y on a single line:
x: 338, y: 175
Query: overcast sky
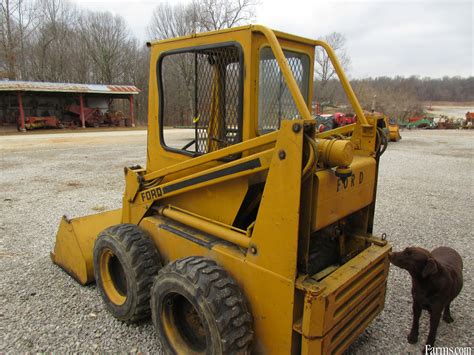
x: 425, y: 38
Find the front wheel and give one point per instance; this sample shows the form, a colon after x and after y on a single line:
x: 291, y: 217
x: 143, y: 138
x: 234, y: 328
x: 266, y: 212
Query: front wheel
x: 125, y: 263
x: 198, y: 308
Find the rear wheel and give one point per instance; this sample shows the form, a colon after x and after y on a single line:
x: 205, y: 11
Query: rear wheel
x: 125, y: 263
x: 198, y: 308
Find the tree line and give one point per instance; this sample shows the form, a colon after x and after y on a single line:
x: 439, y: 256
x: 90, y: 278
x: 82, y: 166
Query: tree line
x: 397, y: 97
x: 54, y: 40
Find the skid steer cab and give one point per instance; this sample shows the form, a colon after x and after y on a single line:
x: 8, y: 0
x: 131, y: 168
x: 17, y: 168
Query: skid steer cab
x: 247, y: 232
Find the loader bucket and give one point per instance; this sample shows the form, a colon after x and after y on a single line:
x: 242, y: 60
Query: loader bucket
x: 74, y: 246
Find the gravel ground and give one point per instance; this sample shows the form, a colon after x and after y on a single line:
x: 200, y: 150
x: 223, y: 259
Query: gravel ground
x: 425, y: 198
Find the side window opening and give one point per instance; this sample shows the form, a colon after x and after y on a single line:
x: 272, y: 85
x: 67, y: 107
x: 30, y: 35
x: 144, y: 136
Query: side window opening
x: 275, y: 101
x: 201, y: 95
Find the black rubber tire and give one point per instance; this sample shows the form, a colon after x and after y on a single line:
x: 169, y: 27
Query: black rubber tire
x: 217, y: 300
x: 139, y: 261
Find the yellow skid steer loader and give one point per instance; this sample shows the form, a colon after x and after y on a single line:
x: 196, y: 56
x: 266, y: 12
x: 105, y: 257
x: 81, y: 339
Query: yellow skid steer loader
x: 255, y: 236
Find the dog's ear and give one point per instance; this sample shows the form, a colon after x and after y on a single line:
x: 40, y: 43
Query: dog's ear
x: 430, y: 268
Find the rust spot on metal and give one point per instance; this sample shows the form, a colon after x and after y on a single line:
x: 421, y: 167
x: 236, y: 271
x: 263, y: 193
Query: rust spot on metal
x: 310, y: 297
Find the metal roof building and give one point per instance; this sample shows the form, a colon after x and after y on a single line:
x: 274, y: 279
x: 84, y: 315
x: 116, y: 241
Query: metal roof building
x: 68, y: 87
x: 14, y: 93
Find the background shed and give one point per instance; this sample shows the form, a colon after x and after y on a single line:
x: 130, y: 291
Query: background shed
x: 29, y: 104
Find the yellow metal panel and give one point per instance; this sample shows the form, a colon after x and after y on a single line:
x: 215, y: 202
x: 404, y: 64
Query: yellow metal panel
x: 337, y: 197
x: 275, y: 235
x: 331, y: 299
x: 209, y: 178
x: 364, y: 138
x: 131, y: 183
x: 228, y: 193
x: 257, y: 162
x: 341, y: 336
x: 75, y: 243
x: 67, y: 253
x: 200, y: 35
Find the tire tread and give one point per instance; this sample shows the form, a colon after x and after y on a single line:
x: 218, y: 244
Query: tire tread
x: 224, y: 296
x: 145, y: 262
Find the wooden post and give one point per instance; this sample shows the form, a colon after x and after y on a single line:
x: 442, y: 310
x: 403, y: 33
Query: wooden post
x: 22, y: 112
x: 81, y: 105
x: 132, y: 114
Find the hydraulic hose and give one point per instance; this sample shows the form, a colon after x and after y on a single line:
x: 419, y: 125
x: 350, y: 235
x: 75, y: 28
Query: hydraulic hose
x: 310, y: 165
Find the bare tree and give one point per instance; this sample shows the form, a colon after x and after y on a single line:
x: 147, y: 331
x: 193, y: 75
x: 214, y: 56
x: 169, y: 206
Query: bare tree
x: 324, y: 69
x: 50, y: 53
x: 136, y: 72
x: 82, y: 69
x: 174, y: 20
x: 17, y: 22
x: 8, y: 38
x: 106, y: 38
x: 169, y: 21
x: 219, y: 14
x: 27, y: 24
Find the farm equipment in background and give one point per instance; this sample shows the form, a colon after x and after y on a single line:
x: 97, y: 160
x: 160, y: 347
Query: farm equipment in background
x: 421, y: 123
x: 415, y: 119
x: 257, y: 234
x: 445, y: 122
x: 344, y: 119
x: 389, y: 127
x: 34, y: 122
x: 330, y: 121
x: 393, y: 129
x: 115, y: 118
x: 94, y: 117
x: 469, y: 122
x: 325, y: 122
x: 470, y: 117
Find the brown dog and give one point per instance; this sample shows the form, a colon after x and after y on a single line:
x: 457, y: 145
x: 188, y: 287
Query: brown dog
x: 436, y: 281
